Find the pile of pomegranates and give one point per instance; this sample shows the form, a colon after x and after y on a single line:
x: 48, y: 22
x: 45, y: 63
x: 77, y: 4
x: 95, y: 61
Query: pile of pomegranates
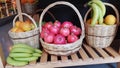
x: 60, y: 33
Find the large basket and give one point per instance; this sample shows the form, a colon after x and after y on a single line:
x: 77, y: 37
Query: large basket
x: 64, y: 49
x: 30, y: 37
x: 101, y: 35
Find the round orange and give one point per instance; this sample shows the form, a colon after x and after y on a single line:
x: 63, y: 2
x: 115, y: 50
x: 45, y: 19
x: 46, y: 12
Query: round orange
x: 90, y: 20
x: 17, y: 23
x: 23, y: 1
x: 26, y: 27
x: 14, y: 29
x: 19, y: 30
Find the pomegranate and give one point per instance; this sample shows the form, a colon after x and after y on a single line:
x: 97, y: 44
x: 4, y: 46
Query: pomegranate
x: 67, y: 24
x: 59, y: 39
x: 72, y: 38
x: 75, y: 30
x: 57, y: 23
x: 44, y: 33
x: 54, y: 29
x: 49, y: 38
x: 48, y: 25
x: 64, y: 31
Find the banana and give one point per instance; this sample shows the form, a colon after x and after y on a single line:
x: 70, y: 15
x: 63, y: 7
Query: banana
x: 100, y: 19
x: 101, y: 5
x: 20, y: 55
x: 26, y: 59
x: 38, y: 51
x: 16, y: 63
x: 22, y: 50
x: 22, y: 45
x: 36, y: 54
x: 95, y: 14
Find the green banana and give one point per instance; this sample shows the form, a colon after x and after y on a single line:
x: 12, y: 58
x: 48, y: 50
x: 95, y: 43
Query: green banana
x: 95, y: 14
x: 20, y: 55
x: 22, y: 45
x: 26, y: 59
x: 101, y: 5
x: 22, y: 50
x: 38, y: 51
x: 100, y: 19
x: 16, y: 63
x: 36, y: 54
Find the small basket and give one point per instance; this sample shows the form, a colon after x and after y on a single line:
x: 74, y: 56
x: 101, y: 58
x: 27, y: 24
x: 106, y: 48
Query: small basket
x: 64, y: 49
x: 30, y: 37
x: 101, y: 35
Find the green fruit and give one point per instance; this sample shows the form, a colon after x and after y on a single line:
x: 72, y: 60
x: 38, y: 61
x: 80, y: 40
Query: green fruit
x: 22, y: 45
x: 36, y: 54
x: 20, y: 55
x: 38, y: 51
x: 15, y: 63
x: 22, y: 50
x: 26, y: 59
x: 95, y: 14
x: 101, y: 5
x: 100, y: 19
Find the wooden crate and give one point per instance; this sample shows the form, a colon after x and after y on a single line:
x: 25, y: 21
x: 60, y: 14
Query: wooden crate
x: 85, y: 56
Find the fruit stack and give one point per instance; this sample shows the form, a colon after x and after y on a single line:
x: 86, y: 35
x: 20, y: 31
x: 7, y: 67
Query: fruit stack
x: 25, y: 32
x: 61, y: 38
x: 58, y: 33
x: 100, y: 29
x: 21, y: 54
x: 23, y: 26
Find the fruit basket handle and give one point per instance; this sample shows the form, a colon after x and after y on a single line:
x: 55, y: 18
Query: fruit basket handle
x: 107, y: 4
x: 63, y: 3
x: 26, y: 16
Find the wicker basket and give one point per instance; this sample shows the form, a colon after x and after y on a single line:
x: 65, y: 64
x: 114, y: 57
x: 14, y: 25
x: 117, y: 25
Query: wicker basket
x: 64, y: 49
x: 101, y: 35
x: 30, y: 37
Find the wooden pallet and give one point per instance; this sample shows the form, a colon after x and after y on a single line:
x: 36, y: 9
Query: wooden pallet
x: 85, y: 56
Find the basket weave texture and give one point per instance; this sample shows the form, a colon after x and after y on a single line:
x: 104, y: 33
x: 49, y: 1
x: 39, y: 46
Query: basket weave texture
x: 30, y: 37
x: 101, y: 36
x: 64, y: 49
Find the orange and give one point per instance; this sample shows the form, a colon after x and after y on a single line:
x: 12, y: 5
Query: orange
x: 110, y: 19
x: 30, y: 1
x: 14, y: 29
x: 17, y: 23
x: 28, y: 21
x: 23, y: 1
x: 32, y: 26
x: 19, y: 30
x: 89, y: 21
x: 26, y: 26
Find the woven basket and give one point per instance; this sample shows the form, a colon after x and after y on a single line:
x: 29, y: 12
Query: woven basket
x: 101, y: 36
x: 30, y: 37
x: 64, y: 49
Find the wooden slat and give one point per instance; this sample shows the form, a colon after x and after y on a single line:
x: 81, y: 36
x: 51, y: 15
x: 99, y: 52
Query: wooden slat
x: 64, y: 58
x: 1, y: 64
x: 54, y: 58
x: 74, y: 57
x: 83, y: 54
x: 112, y: 52
x: 91, y: 52
x: 2, y: 59
x: 103, y: 53
x: 44, y: 57
x: 19, y: 9
x: 32, y: 62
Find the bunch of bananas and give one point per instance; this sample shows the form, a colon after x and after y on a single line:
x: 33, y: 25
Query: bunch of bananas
x: 21, y: 54
x: 98, y: 11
